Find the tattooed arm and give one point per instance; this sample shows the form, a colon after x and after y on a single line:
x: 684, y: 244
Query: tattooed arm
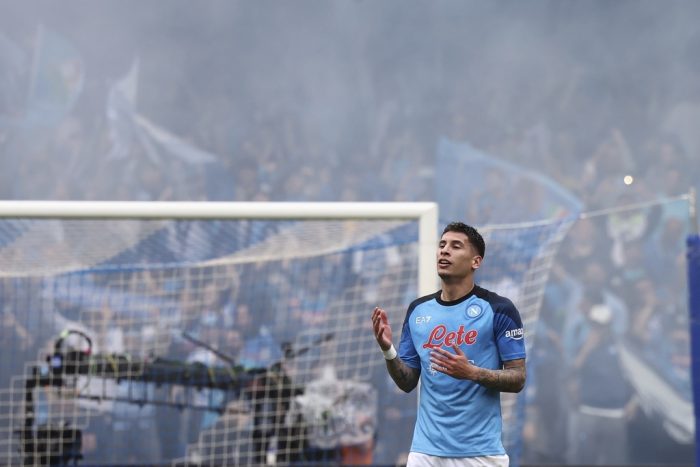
x: 511, y: 378
x: 405, y: 377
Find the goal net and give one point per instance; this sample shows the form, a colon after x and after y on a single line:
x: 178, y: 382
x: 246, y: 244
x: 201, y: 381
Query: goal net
x: 242, y: 339
x: 137, y: 333
x: 517, y: 265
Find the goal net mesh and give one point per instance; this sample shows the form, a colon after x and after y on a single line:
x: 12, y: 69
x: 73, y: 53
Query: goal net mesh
x: 221, y: 342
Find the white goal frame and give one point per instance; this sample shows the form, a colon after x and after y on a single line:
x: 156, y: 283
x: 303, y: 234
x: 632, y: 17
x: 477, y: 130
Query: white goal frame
x: 425, y: 213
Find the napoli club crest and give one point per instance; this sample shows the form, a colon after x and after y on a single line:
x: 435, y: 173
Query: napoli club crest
x: 473, y: 311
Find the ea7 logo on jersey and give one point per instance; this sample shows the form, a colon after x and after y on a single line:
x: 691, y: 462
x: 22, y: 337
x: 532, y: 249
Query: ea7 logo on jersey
x: 423, y: 319
x: 515, y: 334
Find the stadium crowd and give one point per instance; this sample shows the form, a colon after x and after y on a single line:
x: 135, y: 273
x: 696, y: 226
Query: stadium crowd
x: 586, y: 132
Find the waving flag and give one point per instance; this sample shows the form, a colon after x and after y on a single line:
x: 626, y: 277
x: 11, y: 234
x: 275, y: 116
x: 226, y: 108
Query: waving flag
x: 129, y: 128
x: 484, y: 189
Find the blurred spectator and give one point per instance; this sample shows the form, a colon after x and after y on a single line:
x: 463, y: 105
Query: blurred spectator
x: 611, y: 159
x: 18, y: 345
x: 545, y: 432
x: 211, y: 332
x: 259, y: 348
x: 599, y: 428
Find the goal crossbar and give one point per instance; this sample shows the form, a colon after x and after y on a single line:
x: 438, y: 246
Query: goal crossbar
x: 425, y: 213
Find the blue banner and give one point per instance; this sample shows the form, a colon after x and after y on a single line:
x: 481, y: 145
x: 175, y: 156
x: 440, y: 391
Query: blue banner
x: 480, y: 189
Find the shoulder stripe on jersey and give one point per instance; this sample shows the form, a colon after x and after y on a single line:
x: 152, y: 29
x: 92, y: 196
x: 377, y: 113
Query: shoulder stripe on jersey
x: 500, y: 305
x: 417, y: 302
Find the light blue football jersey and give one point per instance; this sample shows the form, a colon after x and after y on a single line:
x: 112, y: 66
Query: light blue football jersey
x: 460, y: 418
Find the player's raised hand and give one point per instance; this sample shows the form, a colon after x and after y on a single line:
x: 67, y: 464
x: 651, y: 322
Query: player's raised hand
x: 382, y: 329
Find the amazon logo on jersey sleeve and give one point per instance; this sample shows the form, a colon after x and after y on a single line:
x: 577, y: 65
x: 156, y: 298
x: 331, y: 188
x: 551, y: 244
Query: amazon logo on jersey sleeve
x: 441, y: 337
x: 515, y: 334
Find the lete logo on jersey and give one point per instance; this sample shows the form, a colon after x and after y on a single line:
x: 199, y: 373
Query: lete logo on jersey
x: 440, y: 337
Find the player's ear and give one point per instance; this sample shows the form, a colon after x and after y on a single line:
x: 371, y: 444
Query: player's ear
x: 476, y: 262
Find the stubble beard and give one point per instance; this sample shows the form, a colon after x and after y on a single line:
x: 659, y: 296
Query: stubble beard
x: 447, y: 278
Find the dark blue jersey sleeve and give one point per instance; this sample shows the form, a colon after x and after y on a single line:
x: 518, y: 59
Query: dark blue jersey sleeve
x: 508, y: 330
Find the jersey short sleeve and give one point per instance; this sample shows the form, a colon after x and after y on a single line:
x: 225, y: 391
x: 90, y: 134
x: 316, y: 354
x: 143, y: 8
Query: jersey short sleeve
x: 508, y: 330
x: 407, y: 351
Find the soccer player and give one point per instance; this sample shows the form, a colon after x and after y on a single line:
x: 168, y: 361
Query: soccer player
x: 466, y: 345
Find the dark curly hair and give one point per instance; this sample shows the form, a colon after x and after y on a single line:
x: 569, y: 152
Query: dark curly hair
x: 475, y: 238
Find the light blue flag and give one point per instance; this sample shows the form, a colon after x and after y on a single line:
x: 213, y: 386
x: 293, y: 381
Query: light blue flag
x: 481, y: 189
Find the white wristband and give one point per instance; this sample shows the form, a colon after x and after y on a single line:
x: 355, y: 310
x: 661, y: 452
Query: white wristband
x: 390, y: 354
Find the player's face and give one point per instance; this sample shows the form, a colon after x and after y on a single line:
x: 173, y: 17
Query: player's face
x: 456, y: 257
